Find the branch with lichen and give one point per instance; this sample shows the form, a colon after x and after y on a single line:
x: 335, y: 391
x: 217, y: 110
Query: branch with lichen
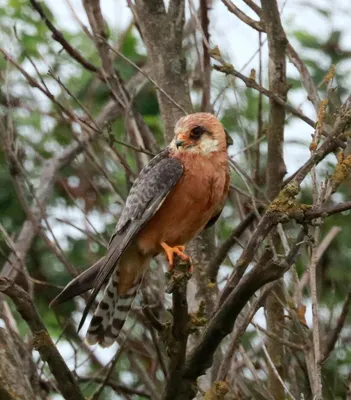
x: 341, y: 172
x: 42, y: 342
x: 218, y: 390
x: 241, y: 287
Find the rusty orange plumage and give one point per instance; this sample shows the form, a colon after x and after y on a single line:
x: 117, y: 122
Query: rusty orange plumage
x: 174, y: 198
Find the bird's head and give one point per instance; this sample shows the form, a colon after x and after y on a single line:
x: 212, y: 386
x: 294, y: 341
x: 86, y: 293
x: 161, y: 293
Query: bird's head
x: 199, y: 133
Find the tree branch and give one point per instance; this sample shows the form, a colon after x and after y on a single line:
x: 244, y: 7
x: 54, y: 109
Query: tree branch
x: 229, y: 69
x: 58, y: 36
x: 42, y: 194
x: 42, y: 341
x: 162, y: 32
x: 180, y: 327
x: 206, y: 73
x: 257, y: 25
x: 222, y: 322
x: 120, y: 389
x: 222, y: 252
x: 294, y: 58
x: 276, y: 169
x: 335, y: 333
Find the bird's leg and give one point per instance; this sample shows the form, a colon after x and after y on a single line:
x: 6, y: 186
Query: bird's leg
x: 171, y: 251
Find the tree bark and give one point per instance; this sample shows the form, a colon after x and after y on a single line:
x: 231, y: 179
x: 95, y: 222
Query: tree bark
x: 162, y: 32
x: 276, y: 170
x: 18, y: 374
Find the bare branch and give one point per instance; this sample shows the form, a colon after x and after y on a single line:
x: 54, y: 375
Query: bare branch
x: 222, y: 252
x: 239, y: 329
x: 180, y: 328
x: 275, y: 172
x: 257, y: 25
x: 305, y: 76
x: 58, y: 36
x: 335, y: 333
x: 222, y: 322
x: 251, y: 83
x: 260, y: 26
x: 257, y: 9
x: 120, y: 389
x: 43, y: 193
x: 42, y: 341
x: 278, y: 339
x: 206, y: 76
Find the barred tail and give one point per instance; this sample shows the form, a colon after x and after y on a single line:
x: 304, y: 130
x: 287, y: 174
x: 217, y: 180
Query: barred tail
x: 111, y: 313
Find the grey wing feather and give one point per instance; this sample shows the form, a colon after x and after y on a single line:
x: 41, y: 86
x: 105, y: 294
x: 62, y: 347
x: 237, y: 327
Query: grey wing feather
x: 80, y: 284
x: 146, y: 196
x: 131, y: 209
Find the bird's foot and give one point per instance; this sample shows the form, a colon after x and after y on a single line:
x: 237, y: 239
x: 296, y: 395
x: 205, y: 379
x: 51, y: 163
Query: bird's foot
x: 176, y: 250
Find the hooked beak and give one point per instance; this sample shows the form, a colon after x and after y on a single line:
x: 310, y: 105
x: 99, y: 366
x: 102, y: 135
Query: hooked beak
x: 180, y: 141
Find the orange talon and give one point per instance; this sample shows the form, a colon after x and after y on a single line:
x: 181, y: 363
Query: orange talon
x: 170, y: 251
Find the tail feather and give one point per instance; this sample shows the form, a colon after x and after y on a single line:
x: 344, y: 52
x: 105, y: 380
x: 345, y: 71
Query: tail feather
x: 111, y: 313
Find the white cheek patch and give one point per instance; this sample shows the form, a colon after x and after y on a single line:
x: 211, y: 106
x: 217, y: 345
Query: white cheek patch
x: 208, y: 145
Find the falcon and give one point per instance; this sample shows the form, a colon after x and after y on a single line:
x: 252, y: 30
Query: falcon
x: 180, y: 192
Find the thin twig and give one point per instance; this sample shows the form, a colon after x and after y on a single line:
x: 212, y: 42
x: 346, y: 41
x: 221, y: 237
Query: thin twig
x: 278, y: 339
x: 206, y: 75
x: 335, y: 333
x: 120, y: 389
x: 42, y: 341
x: 58, y: 36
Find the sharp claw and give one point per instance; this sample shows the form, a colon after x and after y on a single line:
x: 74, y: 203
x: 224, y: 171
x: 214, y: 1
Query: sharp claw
x: 170, y: 251
x: 170, y: 258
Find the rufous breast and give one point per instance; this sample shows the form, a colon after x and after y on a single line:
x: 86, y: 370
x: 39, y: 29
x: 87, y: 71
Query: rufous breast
x: 196, y: 198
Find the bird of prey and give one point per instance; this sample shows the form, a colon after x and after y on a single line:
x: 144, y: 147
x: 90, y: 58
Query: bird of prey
x: 179, y: 193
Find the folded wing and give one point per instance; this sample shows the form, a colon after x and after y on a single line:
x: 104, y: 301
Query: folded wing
x: 146, y: 196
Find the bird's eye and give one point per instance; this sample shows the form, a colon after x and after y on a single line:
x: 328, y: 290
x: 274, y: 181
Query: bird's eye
x: 197, y: 132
